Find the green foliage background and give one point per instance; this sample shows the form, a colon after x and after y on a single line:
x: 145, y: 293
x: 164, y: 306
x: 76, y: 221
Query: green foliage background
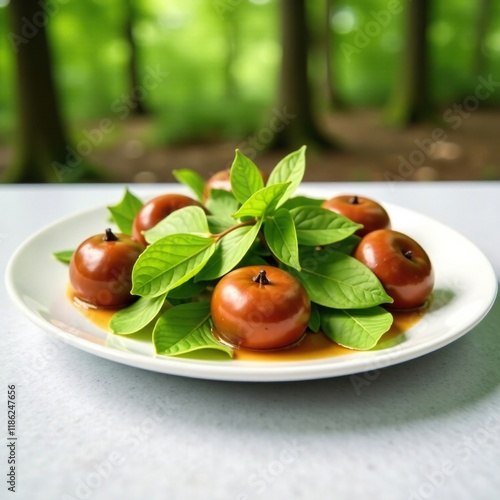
x: 188, y: 39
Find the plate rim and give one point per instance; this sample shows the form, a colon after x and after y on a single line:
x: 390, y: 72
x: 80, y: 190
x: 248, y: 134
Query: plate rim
x: 246, y: 371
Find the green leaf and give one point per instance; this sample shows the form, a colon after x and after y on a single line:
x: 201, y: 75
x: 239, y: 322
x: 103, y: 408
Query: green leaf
x: 229, y: 251
x: 263, y: 202
x: 189, y: 219
x: 252, y: 259
x: 169, y: 262
x: 123, y: 214
x: 347, y: 246
x: 356, y: 329
x: 192, y: 180
x: 218, y: 224
x: 334, y: 279
x: 187, y: 290
x: 319, y: 226
x: 136, y: 316
x: 246, y: 178
x: 64, y: 256
x: 302, y: 201
x: 258, y: 248
x: 186, y: 328
x: 289, y: 169
x: 322, y: 253
x: 315, y: 320
x: 280, y: 234
x: 222, y: 203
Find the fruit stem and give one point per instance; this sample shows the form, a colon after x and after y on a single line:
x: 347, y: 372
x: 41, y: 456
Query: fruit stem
x: 261, y: 278
x: 109, y: 235
x: 354, y: 200
x: 408, y: 254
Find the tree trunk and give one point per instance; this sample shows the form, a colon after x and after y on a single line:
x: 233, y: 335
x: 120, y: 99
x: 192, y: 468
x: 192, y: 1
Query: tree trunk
x: 411, y: 102
x: 230, y: 34
x: 42, y: 151
x: 138, y: 107
x: 294, y: 103
x: 332, y: 94
x: 483, y: 20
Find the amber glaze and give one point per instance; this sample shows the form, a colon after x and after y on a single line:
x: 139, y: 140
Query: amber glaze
x: 313, y: 345
x: 318, y: 345
x: 99, y: 316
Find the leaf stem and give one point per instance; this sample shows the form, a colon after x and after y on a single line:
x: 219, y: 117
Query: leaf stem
x: 218, y: 236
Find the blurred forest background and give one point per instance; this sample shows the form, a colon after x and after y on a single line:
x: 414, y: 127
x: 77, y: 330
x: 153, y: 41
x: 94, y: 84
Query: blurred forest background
x: 127, y: 90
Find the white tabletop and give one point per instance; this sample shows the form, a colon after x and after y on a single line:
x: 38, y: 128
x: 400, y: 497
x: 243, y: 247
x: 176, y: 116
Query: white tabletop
x: 89, y: 428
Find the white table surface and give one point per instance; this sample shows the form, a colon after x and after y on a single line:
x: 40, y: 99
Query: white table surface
x: 89, y: 428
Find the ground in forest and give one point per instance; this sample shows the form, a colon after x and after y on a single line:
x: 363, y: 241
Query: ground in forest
x: 459, y: 148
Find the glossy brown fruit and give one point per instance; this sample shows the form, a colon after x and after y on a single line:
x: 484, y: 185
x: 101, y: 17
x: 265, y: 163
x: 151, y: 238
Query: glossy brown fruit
x: 100, y: 270
x: 361, y: 210
x: 401, y: 264
x: 221, y: 180
x: 156, y: 210
x: 260, y: 307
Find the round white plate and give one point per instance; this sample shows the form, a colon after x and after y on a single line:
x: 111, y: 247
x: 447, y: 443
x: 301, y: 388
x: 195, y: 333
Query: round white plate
x: 465, y: 290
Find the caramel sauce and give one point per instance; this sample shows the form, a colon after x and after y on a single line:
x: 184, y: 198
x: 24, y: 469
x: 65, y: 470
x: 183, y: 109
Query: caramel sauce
x: 312, y: 346
x: 318, y: 345
x: 97, y: 315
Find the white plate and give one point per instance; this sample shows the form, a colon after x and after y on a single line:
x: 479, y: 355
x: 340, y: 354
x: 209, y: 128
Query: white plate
x: 465, y: 290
